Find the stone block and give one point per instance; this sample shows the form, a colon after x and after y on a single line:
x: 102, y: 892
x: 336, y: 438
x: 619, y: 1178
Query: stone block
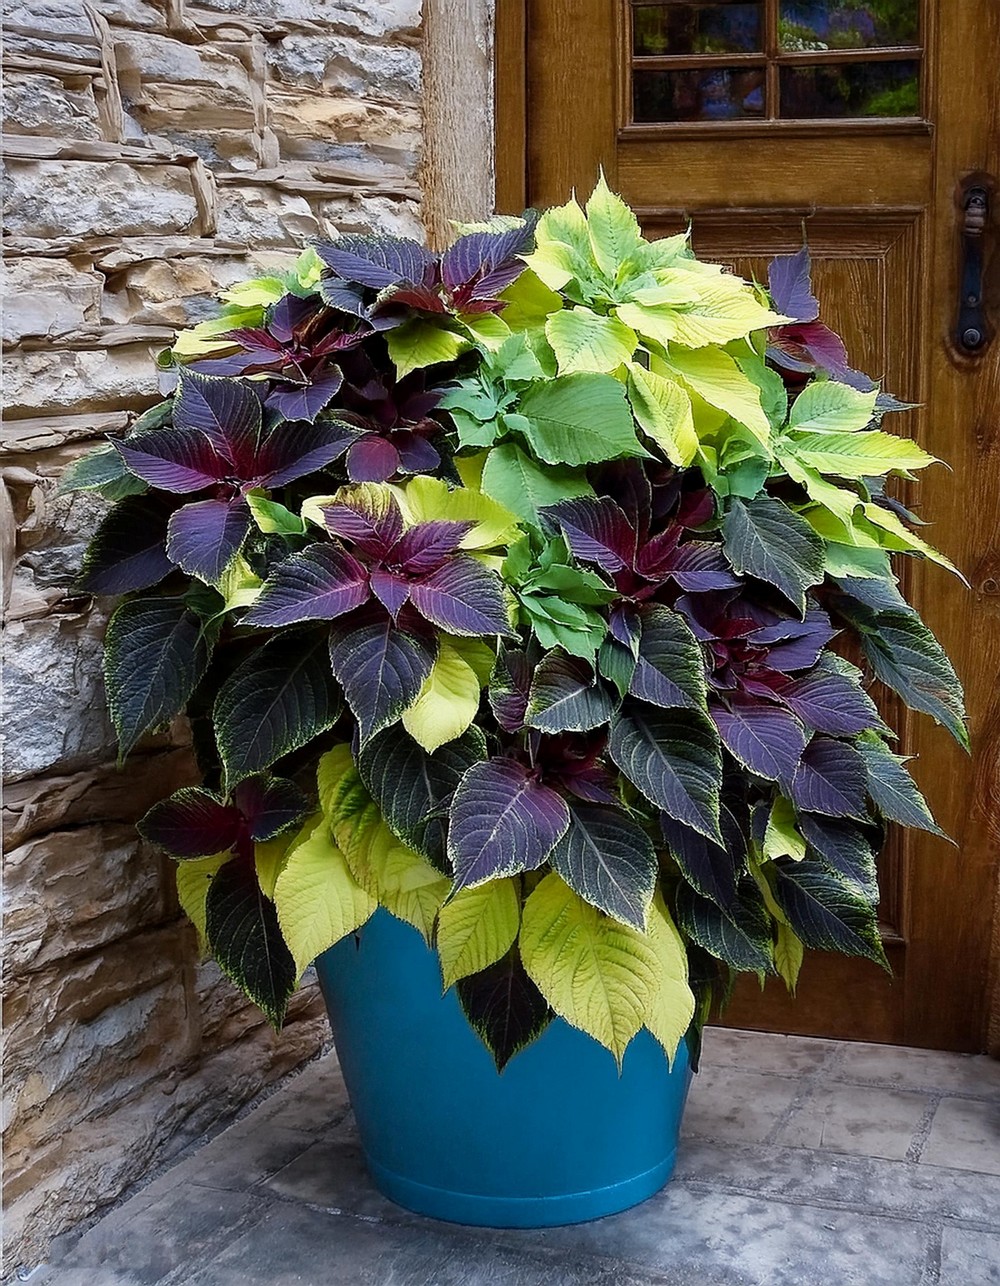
x: 96, y: 379
x: 341, y: 64
x: 965, y: 1135
x: 969, y: 1255
x: 382, y: 19
x: 35, y: 104
x: 361, y: 213
x: 845, y: 1118
x: 69, y: 18
x: 53, y: 199
x: 49, y: 298
x: 261, y: 217
x: 74, y: 891
x: 146, y: 59
x: 322, y: 127
x: 736, y: 1106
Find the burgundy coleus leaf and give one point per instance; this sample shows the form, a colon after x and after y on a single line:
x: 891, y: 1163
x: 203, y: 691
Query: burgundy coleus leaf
x: 294, y: 450
x: 573, y: 762
x: 306, y: 401
x: 700, y: 566
x: 463, y: 597
x: 419, y: 297
x: 381, y: 665
x: 177, y: 460
x: 378, y: 262
x: 373, y: 529
x: 764, y: 738
x: 510, y: 687
x: 830, y: 779
x: 372, y: 459
x: 203, y: 538
x: 478, y: 267
x: 805, y: 344
x: 391, y: 590
x: 268, y: 805
x: 503, y: 821
x: 597, y: 531
x: 192, y: 823
x: 226, y: 411
x: 321, y: 583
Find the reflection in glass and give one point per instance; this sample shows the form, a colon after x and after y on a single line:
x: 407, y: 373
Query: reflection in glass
x: 847, y: 24
x: 857, y: 89
x: 719, y: 94
x: 696, y: 28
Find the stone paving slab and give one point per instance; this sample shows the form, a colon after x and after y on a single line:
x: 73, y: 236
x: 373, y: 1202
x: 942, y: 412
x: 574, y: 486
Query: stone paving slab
x: 803, y: 1163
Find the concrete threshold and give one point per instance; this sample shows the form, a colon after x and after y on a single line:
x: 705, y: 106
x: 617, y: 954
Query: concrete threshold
x: 804, y: 1163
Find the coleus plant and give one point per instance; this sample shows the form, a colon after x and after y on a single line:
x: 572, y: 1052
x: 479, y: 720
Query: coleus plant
x: 519, y: 590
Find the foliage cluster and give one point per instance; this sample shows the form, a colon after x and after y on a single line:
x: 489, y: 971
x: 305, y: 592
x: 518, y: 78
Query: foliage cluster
x: 507, y: 589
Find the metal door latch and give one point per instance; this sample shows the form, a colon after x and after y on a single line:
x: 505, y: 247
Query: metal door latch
x: 971, y: 332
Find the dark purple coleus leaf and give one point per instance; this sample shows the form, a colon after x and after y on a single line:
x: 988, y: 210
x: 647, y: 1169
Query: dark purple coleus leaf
x: 305, y: 402
x: 766, y: 539
x: 805, y: 345
x: 464, y: 598
x: 503, y: 821
x: 195, y: 823
x: 504, y: 1007
x: 831, y: 780
x: 827, y: 700
x: 204, y: 537
x: 322, y: 582
x: 510, y: 687
x: 393, y: 417
x: 129, y: 549
x: 609, y: 860
x: 826, y: 912
x: 669, y: 665
x: 381, y: 664
x: 765, y: 739
x: 373, y: 459
x: 476, y: 268
x: 844, y: 847
x: 567, y: 696
x: 713, y: 870
x: 379, y: 261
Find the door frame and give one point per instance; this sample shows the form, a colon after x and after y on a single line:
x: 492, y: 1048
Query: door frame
x: 511, y: 146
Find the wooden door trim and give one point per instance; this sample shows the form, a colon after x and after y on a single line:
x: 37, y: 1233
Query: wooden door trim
x: 510, y: 104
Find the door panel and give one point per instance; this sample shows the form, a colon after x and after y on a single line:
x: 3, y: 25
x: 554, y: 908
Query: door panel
x: 742, y: 156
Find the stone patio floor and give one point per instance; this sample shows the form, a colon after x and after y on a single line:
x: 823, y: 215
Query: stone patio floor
x: 804, y: 1163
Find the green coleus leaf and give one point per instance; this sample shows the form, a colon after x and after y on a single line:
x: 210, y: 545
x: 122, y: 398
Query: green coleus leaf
x: 859, y: 455
x: 567, y: 696
x: 674, y: 758
x: 273, y: 518
x: 412, y: 788
x: 523, y: 486
x: 597, y: 974
x: 609, y: 860
x: 578, y: 630
x: 825, y: 406
x: 585, y: 341
x: 504, y: 1007
x: 764, y: 538
x: 277, y: 700
x: 317, y: 899
x: 825, y: 912
x: 101, y: 470
x: 579, y: 419
x: 476, y: 928
x: 891, y: 787
x: 613, y: 230
x: 247, y: 941
x: 739, y: 934
x: 155, y: 653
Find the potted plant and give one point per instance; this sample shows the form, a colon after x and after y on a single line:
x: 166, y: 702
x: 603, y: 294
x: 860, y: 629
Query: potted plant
x: 507, y: 592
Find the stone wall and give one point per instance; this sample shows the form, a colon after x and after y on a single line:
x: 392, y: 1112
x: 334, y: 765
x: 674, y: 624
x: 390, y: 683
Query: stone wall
x: 157, y: 152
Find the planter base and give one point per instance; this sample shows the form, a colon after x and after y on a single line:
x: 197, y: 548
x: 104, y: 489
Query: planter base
x: 520, y: 1212
x: 559, y: 1137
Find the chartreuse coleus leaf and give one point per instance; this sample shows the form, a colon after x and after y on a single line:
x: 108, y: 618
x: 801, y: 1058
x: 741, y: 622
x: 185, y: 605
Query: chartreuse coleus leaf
x: 892, y: 789
x: 504, y: 1007
x: 269, y: 856
x: 578, y: 419
x: 662, y: 408
x: 193, y: 878
x: 788, y: 948
x: 413, y: 788
x: 277, y: 700
x: 609, y: 860
x: 155, y: 653
x: 891, y: 534
x: 511, y: 477
x: 528, y: 302
x: 781, y: 836
x: 599, y: 975
x: 247, y: 941
x: 273, y: 518
x: 426, y: 499
x: 826, y: 406
x: 674, y: 1006
x: 860, y: 454
x: 420, y: 342
x: 586, y: 341
x: 317, y: 898
x: 447, y: 701
x: 612, y: 230
x: 477, y: 927
x: 714, y: 376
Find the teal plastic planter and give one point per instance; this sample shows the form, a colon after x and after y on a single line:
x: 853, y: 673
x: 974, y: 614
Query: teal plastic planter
x: 557, y: 1138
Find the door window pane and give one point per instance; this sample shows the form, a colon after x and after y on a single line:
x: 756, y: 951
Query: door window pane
x: 854, y: 89
x: 847, y: 24
x: 716, y: 94
x: 696, y: 29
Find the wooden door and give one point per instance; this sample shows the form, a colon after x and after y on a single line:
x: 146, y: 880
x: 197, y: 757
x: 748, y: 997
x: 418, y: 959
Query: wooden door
x: 856, y: 122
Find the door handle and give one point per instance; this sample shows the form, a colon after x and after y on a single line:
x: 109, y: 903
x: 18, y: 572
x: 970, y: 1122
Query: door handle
x: 971, y: 331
